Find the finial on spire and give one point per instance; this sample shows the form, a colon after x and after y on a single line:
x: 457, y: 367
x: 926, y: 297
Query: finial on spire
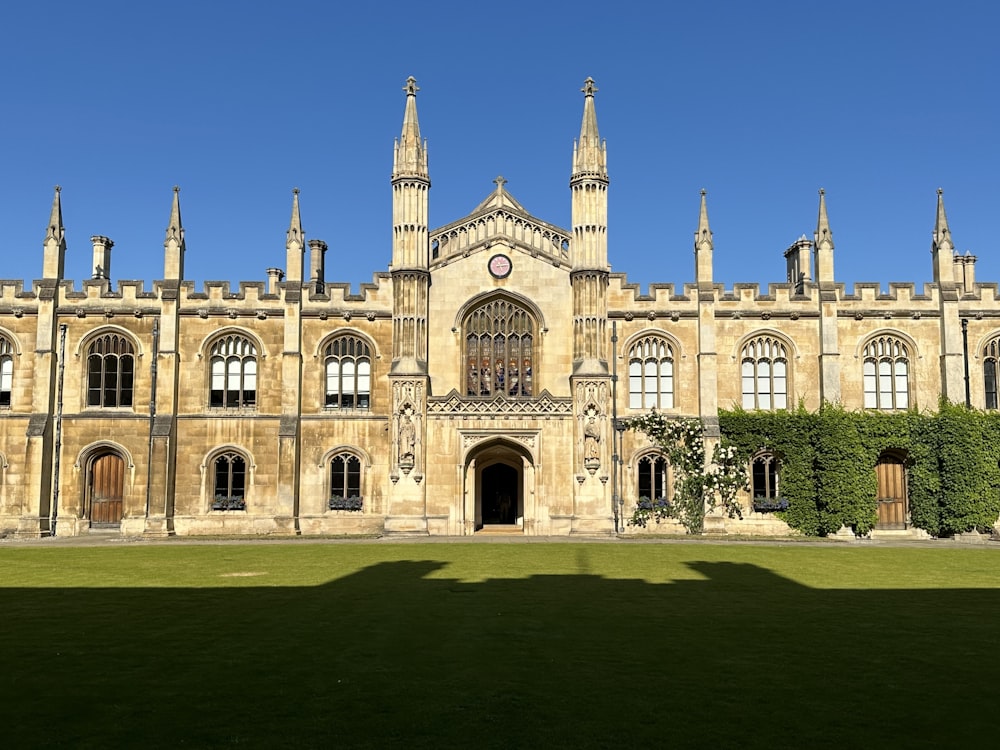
x: 588, y: 87
x: 411, y: 88
x: 499, y: 182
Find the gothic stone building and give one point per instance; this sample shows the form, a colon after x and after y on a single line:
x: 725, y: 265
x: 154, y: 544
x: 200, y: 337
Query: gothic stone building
x: 473, y: 386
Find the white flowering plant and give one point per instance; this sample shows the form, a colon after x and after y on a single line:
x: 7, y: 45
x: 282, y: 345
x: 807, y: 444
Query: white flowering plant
x: 698, y: 488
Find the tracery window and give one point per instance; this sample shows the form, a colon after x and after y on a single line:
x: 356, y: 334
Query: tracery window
x: 991, y: 356
x: 348, y: 373
x: 651, y: 374
x: 233, y: 373
x: 764, y: 476
x: 110, y: 371
x: 499, y: 353
x: 764, y: 373
x: 886, y: 374
x: 6, y: 373
x: 345, y: 482
x: 230, y: 482
x: 654, y: 478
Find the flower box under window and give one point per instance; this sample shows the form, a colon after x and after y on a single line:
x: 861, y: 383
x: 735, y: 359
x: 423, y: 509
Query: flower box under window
x: 769, y: 504
x: 229, y: 503
x: 346, y: 503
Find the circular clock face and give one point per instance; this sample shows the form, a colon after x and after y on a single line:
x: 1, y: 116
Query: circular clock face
x: 500, y: 266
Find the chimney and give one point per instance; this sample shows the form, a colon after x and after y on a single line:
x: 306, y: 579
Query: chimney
x: 102, y: 257
x: 274, y: 277
x: 317, y: 266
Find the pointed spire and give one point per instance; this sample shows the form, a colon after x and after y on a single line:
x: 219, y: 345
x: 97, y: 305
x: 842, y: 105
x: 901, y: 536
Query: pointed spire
x: 823, y: 245
x: 173, y: 244
x: 54, y: 246
x: 56, y: 231
x: 295, y: 245
x: 704, y: 236
x: 942, y: 234
x: 589, y: 153
x: 703, y: 244
x: 175, y: 229
x: 295, y: 233
x: 823, y: 234
x: 411, y: 153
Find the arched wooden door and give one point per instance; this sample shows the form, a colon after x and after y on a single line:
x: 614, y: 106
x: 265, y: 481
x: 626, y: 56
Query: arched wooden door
x: 892, y: 500
x: 107, y: 485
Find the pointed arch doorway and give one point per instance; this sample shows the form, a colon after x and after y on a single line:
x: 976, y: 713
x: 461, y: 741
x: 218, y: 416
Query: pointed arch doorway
x: 105, y: 490
x: 499, y: 480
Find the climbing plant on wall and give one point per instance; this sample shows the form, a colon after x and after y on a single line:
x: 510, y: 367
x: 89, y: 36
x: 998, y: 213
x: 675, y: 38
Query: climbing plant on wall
x: 828, y: 460
x: 697, y: 488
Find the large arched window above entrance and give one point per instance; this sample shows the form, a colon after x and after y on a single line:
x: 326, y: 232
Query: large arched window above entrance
x: 110, y: 371
x: 348, y: 363
x: 651, y: 374
x: 499, y: 350
x: 887, y: 374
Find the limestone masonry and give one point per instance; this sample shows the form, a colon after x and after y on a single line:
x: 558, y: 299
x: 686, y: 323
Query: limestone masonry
x: 475, y: 385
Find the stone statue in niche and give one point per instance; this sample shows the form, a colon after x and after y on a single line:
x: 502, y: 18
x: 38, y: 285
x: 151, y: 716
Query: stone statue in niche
x: 591, y: 440
x: 407, y: 437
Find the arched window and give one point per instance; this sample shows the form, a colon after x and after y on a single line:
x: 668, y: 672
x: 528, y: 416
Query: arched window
x: 230, y: 487
x: 110, y: 371
x: 348, y: 373
x: 345, y: 482
x: 886, y: 374
x: 499, y: 353
x: 764, y: 476
x: 655, y: 480
x: 6, y: 372
x: 651, y: 374
x: 233, y: 373
x: 764, y: 373
x: 991, y: 356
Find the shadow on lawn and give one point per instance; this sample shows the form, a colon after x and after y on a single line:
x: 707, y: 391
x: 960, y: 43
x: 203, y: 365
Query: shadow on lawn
x: 389, y: 656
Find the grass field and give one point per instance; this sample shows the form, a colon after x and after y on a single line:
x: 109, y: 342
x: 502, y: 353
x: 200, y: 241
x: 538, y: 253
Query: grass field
x: 498, y: 645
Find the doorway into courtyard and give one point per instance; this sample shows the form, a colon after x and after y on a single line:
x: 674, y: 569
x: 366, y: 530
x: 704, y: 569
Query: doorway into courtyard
x: 500, y: 495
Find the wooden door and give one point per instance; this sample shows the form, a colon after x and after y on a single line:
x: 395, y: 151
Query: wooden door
x: 107, y: 483
x: 891, y: 493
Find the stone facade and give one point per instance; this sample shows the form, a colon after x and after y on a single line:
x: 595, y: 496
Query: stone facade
x: 474, y: 385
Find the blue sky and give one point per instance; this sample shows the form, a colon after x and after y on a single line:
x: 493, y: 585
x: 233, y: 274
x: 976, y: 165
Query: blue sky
x: 761, y: 103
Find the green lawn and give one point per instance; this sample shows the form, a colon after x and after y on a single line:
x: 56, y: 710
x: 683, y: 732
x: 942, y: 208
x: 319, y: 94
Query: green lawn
x: 498, y: 645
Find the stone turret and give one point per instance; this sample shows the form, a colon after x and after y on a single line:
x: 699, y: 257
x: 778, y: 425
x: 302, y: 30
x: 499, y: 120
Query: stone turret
x: 589, y: 275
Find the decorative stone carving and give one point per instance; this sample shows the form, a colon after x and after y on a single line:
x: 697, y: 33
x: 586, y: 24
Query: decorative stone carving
x: 457, y: 405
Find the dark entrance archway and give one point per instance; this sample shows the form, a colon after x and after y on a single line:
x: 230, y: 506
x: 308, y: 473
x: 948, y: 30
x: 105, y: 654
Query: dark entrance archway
x: 500, y: 496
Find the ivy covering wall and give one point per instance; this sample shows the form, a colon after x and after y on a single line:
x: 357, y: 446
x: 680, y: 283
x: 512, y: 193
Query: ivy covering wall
x: 828, y: 457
